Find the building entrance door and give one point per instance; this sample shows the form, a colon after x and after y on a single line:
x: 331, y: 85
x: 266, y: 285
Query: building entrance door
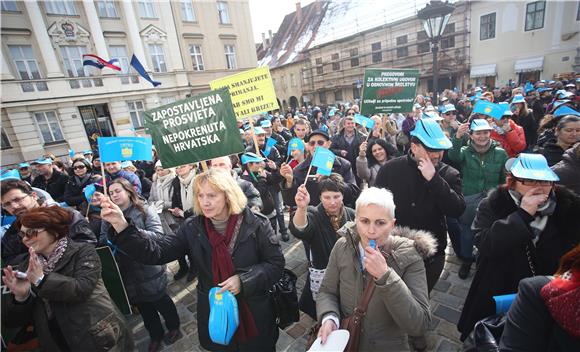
x: 97, y: 121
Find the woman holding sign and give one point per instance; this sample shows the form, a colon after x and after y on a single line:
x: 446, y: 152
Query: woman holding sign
x: 231, y: 247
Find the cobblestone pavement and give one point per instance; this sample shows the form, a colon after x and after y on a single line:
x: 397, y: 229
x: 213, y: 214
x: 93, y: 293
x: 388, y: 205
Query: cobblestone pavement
x: 446, y: 302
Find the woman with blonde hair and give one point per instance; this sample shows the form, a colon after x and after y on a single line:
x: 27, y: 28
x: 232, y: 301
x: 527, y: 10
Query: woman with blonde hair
x: 231, y: 247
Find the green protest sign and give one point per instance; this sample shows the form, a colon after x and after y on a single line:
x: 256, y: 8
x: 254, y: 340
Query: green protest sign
x: 389, y: 90
x: 112, y: 280
x: 199, y: 128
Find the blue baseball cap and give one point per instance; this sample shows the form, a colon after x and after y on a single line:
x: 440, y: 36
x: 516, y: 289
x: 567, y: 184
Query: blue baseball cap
x: 447, y: 108
x: 259, y: 130
x: 251, y: 158
x: 431, y: 115
x: 543, y: 89
x: 10, y: 175
x: 565, y: 110
x: 43, y: 161
x: 518, y: 98
x: 431, y: 135
x: 224, y: 317
x: 87, y: 152
x: 23, y: 165
x: 266, y: 123
x: 480, y: 125
x: 531, y: 166
x: 126, y: 163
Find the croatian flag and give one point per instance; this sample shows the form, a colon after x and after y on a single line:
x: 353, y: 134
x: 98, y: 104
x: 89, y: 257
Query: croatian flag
x: 100, y: 63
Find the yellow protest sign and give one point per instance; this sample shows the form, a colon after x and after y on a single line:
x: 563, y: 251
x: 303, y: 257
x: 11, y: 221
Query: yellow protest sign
x: 252, y: 91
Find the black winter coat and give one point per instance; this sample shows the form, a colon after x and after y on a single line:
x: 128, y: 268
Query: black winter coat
x: 73, y: 191
x: 422, y: 204
x: 257, y: 257
x: 529, y: 325
x: 144, y: 283
x: 341, y: 166
x: 82, y: 307
x: 55, y: 185
x: 502, y: 233
x: 15, y: 252
x: 569, y: 171
x: 528, y: 123
x: 339, y: 144
x: 552, y: 152
x: 266, y: 186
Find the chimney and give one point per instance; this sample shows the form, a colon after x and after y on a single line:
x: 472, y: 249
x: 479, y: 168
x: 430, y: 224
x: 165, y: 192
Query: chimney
x: 298, y: 12
x: 270, y: 35
x: 264, y: 44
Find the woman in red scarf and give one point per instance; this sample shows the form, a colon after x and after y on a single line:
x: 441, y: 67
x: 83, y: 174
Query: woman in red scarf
x: 230, y: 247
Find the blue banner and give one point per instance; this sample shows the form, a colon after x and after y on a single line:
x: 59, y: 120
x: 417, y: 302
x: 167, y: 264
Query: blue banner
x: 490, y: 109
x: 324, y: 160
x: 124, y: 148
x: 270, y: 142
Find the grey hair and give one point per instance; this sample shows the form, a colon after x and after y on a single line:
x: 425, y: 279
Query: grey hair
x: 377, y: 196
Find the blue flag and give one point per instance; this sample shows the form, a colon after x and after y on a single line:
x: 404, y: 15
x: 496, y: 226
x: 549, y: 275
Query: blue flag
x: 528, y: 87
x: 89, y: 191
x: 270, y: 142
x: 71, y: 153
x: 324, y: 160
x: 364, y: 121
x: 295, y: 144
x: 141, y: 70
x: 124, y: 148
x: 490, y: 109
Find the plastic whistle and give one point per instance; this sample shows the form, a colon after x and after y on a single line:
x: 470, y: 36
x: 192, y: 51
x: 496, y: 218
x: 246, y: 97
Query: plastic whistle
x: 372, y: 244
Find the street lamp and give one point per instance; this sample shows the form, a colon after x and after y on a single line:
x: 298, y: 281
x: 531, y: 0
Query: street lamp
x: 435, y: 17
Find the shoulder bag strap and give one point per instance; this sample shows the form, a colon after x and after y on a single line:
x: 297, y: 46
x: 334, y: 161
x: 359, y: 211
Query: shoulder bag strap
x: 368, y: 292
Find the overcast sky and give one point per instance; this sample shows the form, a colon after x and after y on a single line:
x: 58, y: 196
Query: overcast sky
x: 268, y: 14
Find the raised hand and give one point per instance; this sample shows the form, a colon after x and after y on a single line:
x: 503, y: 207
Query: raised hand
x: 302, y: 197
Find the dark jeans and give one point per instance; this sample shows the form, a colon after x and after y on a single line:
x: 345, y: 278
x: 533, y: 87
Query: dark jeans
x: 433, y: 268
x: 150, y: 314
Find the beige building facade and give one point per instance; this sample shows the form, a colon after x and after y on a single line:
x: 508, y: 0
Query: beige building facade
x: 51, y: 103
x: 524, y: 40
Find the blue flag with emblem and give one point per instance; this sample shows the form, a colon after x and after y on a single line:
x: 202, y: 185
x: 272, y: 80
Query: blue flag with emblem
x: 364, y: 121
x: 270, y: 142
x: 124, y: 148
x: 89, y: 191
x: 324, y: 160
x: 295, y: 144
x: 490, y: 109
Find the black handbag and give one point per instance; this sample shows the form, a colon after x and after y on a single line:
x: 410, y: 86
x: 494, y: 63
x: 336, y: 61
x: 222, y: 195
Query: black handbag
x: 486, y: 335
x: 285, y: 299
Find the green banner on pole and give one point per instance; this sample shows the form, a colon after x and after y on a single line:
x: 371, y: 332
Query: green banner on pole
x: 199, y: 128
x: 389, y: 91
x: 112, y: 280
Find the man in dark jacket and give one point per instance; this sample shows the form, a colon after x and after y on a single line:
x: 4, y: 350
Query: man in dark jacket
x: 295, y: 177
x: 252, y: 194
x: 25, y: 173
x: 347, y: 144
x: 49, y: 179
x: 17, y: 198
x: 569, y: 169
x: 425, y: 189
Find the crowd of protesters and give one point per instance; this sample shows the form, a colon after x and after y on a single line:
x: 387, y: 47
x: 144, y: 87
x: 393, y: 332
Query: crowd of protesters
x: 505, y: 190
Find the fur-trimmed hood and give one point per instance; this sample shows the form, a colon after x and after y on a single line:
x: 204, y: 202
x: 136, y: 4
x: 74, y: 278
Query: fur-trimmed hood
x: 423, y: 242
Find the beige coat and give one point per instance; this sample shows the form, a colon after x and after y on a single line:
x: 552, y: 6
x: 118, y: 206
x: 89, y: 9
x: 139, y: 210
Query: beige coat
x: 399, y: 305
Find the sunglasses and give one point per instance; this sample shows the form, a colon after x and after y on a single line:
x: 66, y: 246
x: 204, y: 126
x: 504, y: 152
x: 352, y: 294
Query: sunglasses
x: 30, y: 233
x: 318, y: 142
x: 79, y: 167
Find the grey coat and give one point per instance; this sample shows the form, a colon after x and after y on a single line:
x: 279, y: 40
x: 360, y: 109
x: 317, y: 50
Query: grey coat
x: 400, y: 302
x: 365, y: 172
x: 144, y: 283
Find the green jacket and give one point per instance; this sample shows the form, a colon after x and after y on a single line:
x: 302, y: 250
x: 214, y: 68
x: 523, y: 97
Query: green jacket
x: 479, y: 173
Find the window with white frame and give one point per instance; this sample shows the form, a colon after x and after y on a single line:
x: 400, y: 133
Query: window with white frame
x: 487, y: 26
x: 187, y: 13
x: 223, y: 12
x: 230, y: 57
x: 535, y: 15
x: 60, y: 7
x: 147, y: 9
x: 25, y: 63
x: 196, y: 57
x: 48, y: 126
x: 9, y: 5
x: 106, y: 8
x: 120, y: 53
x: 72, y: 57
x: 5, y: 141
x: 136, y: 110
x: 157, y: 57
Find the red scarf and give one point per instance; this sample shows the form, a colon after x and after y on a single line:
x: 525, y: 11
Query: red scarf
x: 561, y: 296
x: 222, y: 268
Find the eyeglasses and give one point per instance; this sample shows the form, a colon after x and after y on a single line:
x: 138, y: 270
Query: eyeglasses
x: 450, y: 113
x: 30, y: 233
x: 320, y: 142
x: 79, y: 167
x: 23, y: 168
x: 528, y: 182
x: 14, y: 201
